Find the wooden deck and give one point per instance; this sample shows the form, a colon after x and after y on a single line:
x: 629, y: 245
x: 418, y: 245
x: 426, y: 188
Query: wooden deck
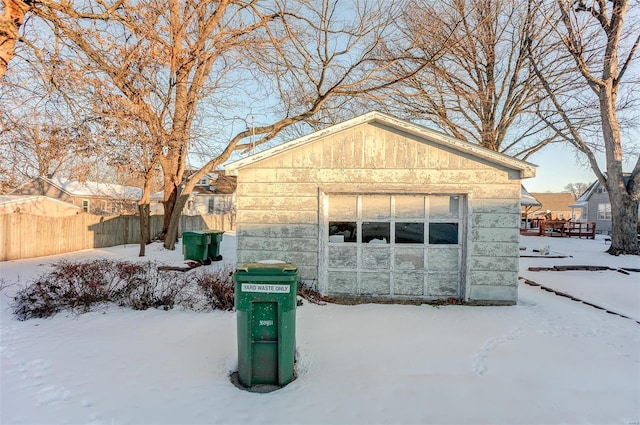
x: 562, y: 229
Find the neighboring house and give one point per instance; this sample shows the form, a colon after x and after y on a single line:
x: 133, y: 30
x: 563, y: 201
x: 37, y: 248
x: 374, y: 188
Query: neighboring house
x: 528, y: 204
x: 594, y: 206
x: 381, y: 208
x: 556, y: 206
x: 92, y: 197
x: 36, y: 205
x: 214, y: 194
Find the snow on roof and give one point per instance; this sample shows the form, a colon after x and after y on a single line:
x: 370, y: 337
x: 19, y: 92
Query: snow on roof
x: 87, y: 188
x: 10, y: 199
x: 526, y: 199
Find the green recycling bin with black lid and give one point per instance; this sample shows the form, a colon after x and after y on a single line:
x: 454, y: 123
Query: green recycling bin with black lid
x: 265, y: 301
x: 214, y: 244
x: 195, y: 245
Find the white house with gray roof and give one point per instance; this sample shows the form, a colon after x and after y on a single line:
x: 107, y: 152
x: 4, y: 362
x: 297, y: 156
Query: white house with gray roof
x: 93, y: 197
x: 594, y: 206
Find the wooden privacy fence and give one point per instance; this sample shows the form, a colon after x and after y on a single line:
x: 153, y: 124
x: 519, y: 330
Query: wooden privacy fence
x: 27, y: 236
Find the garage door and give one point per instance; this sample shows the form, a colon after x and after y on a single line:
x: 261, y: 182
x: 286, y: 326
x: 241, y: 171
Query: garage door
x: 401, y: 246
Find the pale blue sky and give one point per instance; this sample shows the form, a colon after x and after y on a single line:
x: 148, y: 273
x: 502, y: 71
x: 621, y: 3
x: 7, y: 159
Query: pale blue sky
x: 557, y: 166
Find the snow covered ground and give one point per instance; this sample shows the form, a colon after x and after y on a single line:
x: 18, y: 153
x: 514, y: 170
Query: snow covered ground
x: 547, y: 360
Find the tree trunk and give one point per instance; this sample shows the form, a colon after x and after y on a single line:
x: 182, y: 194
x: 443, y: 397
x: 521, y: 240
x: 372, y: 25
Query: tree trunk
x: 624, y: 224
x: 172, y: 232
x: 169, y: 206
x: 145, y: 227
x: 10, y: 21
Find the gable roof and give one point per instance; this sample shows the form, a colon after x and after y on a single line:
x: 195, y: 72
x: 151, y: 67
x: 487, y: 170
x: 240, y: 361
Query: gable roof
x: 584, y: 198
x: 221, y: 183
x: 526, y: 169
x: 555, y: 201
x: 527, y: 199
x: 36, y: 204
x: 94, y: 189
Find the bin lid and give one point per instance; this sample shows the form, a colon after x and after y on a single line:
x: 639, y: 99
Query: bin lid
x: 268, y: 267
x: 192, y: 232
x: 214, y: 231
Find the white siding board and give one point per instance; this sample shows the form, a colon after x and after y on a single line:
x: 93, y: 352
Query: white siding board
x: 281, y: 244
x: 245, y: 230
x: 493, y: 220
x: 407, y: 177
x: 493, y: 263
x: 480, y: 235
x: 497, y: 206
x: 496, y: 249
x: 291, y: 189
x: 508, y: 294
x: 505, y: 190
x: 302, y: 203
x: 275, y: 216
x: 494, y: 277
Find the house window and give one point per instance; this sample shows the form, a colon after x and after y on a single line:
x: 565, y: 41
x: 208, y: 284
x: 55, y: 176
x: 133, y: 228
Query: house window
x: 211, y: 208
x: 85, y: 205
x: 223, y: 204
x: 203, y: 182
x: 604, y: 211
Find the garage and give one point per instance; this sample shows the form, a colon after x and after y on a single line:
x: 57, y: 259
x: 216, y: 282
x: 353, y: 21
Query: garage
x: 380, y: 208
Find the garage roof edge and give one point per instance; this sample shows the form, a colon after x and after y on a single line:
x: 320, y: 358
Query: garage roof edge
x: 526, y: 169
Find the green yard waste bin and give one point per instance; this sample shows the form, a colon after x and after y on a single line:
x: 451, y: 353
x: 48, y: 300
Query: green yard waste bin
x: 265, y: 301
x: 214, y: 244
x: 195, y: 245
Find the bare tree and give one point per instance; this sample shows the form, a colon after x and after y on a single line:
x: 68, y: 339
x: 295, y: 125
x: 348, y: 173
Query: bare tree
x: 11, y: 19
x: 177, y: 65
x: 14, y: 13
x: 480, y: 88
x: 577, y: 189
x: 40, y: 135
x: 594, y: 49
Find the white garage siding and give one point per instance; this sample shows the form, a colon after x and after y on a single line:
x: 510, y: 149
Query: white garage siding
x: 382, y: 178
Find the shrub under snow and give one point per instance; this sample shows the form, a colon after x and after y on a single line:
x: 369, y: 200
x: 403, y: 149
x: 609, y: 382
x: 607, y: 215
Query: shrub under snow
x: 80, y: 286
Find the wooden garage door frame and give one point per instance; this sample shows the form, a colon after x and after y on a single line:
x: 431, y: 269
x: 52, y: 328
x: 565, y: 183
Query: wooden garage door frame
x: 323, y: 243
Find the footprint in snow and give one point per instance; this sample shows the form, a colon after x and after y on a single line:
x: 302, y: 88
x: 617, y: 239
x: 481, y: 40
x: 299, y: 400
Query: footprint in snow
x: 53, y: 394
x: 479, y: 365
